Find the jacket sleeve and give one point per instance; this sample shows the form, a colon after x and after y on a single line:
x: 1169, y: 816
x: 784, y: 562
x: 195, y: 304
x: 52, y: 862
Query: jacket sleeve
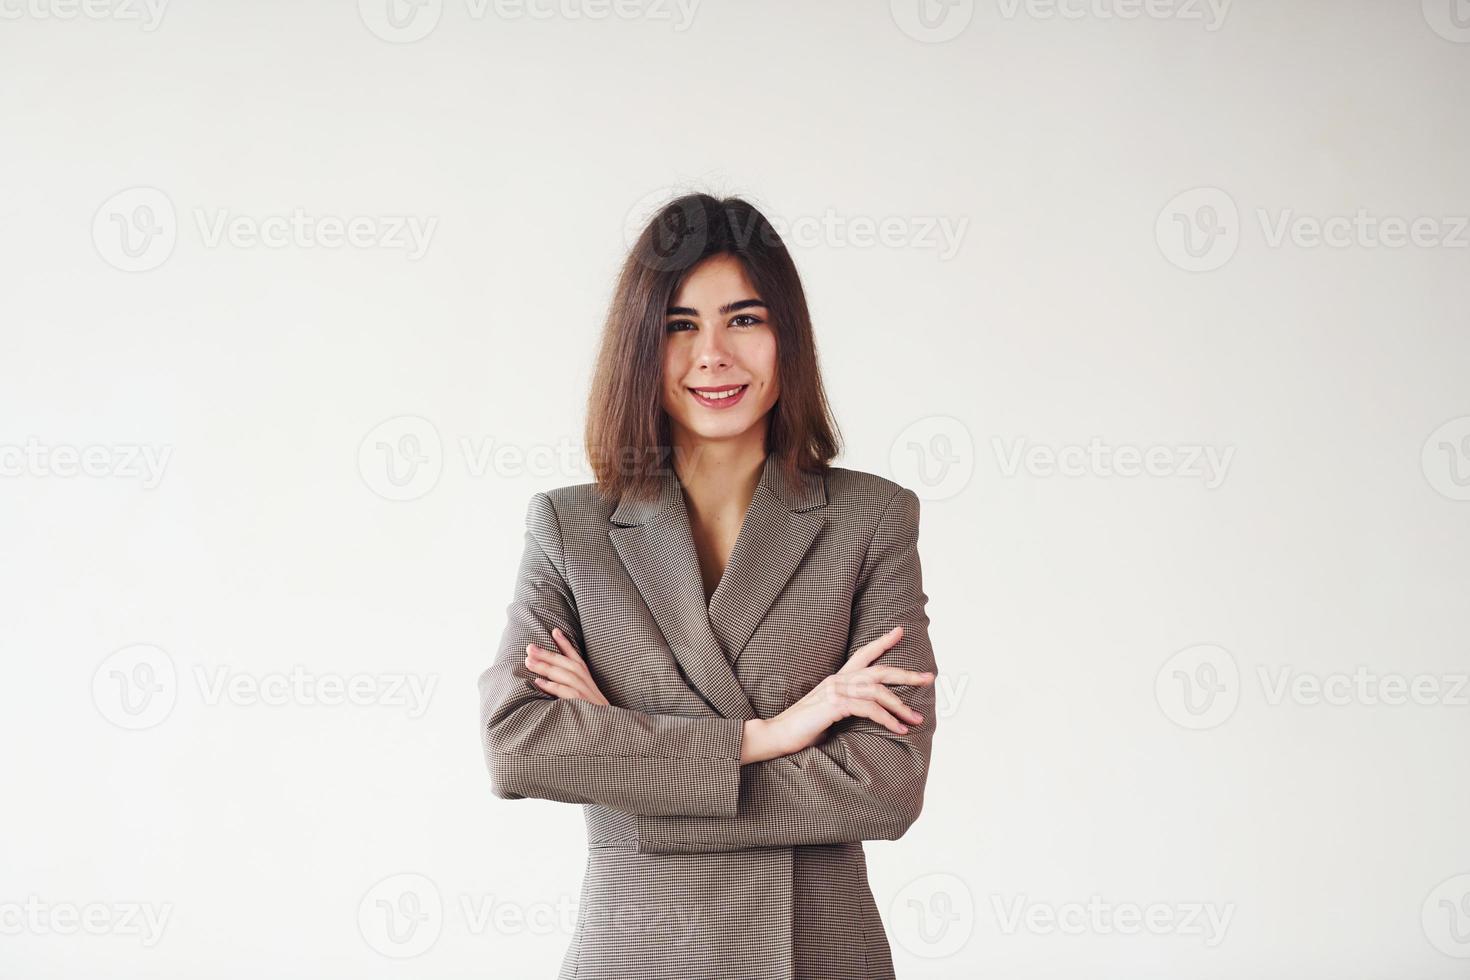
x: 863, y: 782
x: 573, y: 751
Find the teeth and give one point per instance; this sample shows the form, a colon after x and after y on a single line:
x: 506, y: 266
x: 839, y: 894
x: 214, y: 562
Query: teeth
x: 720, y: 395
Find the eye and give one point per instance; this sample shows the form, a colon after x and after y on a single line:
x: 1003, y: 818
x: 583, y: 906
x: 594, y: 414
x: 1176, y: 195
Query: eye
x: 755, y: 321
x: 675, y: 325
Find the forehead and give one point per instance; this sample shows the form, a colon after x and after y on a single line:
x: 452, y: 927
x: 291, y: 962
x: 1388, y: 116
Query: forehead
x: 718, y: 277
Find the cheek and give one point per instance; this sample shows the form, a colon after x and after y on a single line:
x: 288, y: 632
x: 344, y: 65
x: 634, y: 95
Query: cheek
x: 673, y: 368
x: 760, y: 356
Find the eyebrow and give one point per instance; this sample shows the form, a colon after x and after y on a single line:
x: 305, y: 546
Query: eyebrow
x: 740, y: 304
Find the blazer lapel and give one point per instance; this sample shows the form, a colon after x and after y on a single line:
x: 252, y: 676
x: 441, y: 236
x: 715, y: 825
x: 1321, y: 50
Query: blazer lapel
x: 779, y: 528
x: 654, y: 541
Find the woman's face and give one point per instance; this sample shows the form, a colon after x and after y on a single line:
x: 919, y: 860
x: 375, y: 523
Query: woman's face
x: 718, y: 335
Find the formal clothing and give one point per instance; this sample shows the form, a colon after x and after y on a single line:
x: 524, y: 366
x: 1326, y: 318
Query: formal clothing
x: 699, y: 868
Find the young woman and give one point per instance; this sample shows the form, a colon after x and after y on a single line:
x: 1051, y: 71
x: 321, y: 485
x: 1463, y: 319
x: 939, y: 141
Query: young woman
x: 707, y: 646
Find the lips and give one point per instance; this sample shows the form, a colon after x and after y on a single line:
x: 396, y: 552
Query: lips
x: 702, y: 395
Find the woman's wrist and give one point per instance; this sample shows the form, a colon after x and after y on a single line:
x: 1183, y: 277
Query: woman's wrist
x: 757, y: 744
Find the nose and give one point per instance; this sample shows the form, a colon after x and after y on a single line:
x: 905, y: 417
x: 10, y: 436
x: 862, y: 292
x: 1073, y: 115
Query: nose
x: 711, y: 351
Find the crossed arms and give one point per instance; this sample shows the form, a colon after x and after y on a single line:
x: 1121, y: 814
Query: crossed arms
x: 682, y: 776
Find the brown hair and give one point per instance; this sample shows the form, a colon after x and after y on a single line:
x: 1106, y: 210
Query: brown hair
x: 627, y: 434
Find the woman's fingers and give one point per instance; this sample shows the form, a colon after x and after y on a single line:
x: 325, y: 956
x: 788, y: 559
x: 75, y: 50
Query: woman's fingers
x: 902, y: 676
x: 556, y: 667
x: 551, y: 687
x: 565, y: 644
x: 564, y: 675
x: 875, y: 711
x: 863, y: 686
x: 552, y: 657
x: 869, y: 652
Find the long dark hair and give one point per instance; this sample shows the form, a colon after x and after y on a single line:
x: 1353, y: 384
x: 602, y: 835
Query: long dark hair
x: 627, y: 435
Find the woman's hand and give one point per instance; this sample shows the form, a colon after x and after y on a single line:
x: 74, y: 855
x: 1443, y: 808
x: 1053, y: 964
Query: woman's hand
x: 563, y: 674
x: 857, y: 689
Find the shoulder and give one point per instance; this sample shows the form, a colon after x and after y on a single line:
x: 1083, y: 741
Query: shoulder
x: 571, y: 506
x: 861, y: 492
x: 560, y: 518
x: 882, y: 513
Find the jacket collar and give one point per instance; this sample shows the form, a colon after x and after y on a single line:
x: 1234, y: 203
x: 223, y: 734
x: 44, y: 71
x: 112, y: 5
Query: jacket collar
x: 654, y: 541
x: 809, y: 491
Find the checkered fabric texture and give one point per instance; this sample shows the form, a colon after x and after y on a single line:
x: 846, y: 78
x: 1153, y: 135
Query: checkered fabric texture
x: 699, y: 868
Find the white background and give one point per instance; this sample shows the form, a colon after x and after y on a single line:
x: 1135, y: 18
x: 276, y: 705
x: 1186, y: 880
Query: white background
x: 1131, y: 192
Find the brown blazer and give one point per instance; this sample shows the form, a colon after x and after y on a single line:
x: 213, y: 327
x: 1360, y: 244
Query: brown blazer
x: 699, y: 868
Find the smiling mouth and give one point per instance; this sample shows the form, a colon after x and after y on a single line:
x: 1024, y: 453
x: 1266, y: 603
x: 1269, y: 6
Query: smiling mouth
x: 721, y: 396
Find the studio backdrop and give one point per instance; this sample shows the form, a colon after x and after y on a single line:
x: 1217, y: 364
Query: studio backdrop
x: 1158, y: 307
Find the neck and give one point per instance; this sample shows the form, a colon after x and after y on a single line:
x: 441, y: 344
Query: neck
x: 720, y: 475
